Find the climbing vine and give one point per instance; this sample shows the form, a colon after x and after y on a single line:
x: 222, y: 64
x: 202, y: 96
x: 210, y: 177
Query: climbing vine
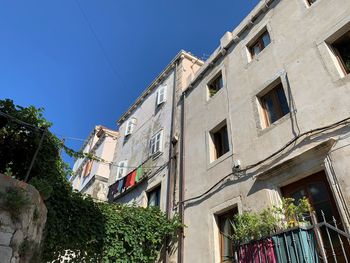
x: 76, y: 226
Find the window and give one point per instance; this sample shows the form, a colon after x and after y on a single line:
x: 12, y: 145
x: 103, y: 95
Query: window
x: 225, y: 231
x: 156, y: 143
x: 259, y: 44
x: 153, y: 197
x: 341, y: 50
x: 121, y: 171
x: 161, y: 95
x: 219, y: 142
x: 274, y: 105
x: 87, y: 168
x: 310, y: 2
x: 130, y: 125
x: 215, y: 85
x: 318, y: 192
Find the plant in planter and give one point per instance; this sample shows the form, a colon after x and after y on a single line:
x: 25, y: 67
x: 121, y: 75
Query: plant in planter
x: 252, y: 226
x: 293, y: 213
x: 255, y: 233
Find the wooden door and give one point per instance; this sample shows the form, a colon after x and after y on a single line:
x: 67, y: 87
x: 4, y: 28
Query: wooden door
x: 318, y: 192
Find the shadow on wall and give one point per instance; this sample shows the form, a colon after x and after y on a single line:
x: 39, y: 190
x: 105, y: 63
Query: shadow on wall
x: 258, y: 185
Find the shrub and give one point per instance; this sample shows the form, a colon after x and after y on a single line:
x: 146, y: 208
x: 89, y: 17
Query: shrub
x: 43, y: 186
x: 15, y: 200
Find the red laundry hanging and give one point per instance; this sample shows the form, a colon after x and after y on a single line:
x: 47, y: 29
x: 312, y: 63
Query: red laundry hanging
x: 133, y: 177
x: 128, y: 181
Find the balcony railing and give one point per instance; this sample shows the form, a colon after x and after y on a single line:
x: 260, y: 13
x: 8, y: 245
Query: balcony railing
x: 319, y: 242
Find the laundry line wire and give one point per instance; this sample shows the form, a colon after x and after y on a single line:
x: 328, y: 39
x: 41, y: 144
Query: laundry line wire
x: 41, y: 129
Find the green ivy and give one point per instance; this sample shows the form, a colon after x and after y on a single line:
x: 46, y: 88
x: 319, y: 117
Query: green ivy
x: 89, y: 231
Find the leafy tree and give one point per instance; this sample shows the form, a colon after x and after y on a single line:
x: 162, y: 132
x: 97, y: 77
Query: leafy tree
x: 89, y: 231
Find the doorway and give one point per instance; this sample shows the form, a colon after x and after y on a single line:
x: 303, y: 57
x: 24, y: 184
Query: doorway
x: 317, y: 190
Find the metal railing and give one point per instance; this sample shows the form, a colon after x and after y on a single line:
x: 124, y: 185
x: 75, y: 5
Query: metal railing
x: 325, y: 242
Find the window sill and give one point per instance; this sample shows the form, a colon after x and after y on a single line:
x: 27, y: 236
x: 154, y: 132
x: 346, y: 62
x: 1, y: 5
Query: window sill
x: 219, y: 160
x: 212, y: 98
x: 286, y: 117
x: 156, y: 155
x: 257, y: 57
x: 344, y: 79
x: 309, y: 7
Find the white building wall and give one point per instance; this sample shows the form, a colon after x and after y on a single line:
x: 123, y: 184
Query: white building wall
x: 96, y: 183
x: 317, y: 93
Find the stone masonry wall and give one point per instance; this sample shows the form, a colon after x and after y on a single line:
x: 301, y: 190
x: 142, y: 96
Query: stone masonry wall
x: 20, y: 228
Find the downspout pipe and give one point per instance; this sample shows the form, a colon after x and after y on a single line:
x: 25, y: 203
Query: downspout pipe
x: 181, y: 181
x: 171, y: 160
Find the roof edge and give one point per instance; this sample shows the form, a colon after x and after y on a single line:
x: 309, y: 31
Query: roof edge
x: 229, y: 38
x: 182, y: 53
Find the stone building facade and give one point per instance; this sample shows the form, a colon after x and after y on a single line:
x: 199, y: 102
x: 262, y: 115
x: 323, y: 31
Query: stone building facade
x: 266, y: 117
x: 91, y: 176
x: 148, y: 135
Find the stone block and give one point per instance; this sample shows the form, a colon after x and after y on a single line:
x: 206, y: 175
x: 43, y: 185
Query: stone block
x: 17, y: 239
x: 5, y: 218
x: 5, y: 238
x: 6, y: 254
x: 7, y: 229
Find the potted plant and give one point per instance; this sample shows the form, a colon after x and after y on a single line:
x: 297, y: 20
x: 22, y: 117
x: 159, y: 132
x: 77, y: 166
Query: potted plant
x: 277, y: 234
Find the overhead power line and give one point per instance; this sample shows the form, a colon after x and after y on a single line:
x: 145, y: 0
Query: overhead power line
x: 249, y: 167
x: 42, y: 130
x: 99, y: 43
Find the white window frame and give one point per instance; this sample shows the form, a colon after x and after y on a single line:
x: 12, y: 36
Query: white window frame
x: 121, y: 171
x: 161, y: 94
x: 156, y: 143
x: 130, y: 125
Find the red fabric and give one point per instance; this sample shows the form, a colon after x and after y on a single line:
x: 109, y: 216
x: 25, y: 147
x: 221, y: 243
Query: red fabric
x: 133, y: 177
x: 128, y: 181
x: 257, y: 252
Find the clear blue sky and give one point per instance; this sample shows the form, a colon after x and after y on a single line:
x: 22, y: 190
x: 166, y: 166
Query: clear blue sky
x: 49, y: 56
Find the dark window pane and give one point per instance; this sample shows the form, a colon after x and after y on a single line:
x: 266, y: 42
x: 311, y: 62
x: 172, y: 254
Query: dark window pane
x: 154, y: 197
x: 215, y: 85
x: 283, y: 101
x: 256, y: 49
x: 226, y: 231
x: 266, y: 39
x: 262, y: 42
x: 343, y: 47
x: 270, y: 109
x: 298, y: 194
x: 311, y: 1
x: 327, y: 210
x: 318, y: 192
x: 220, y: 140
x: 218, y: 144
x: 227, y: 243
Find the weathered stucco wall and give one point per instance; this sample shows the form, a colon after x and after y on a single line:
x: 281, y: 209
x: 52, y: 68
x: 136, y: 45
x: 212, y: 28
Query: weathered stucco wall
x: 102, y: 146
x: 135, y: 148
x: 20, y: 231
x: 150, y: 118
x: 317, y: 95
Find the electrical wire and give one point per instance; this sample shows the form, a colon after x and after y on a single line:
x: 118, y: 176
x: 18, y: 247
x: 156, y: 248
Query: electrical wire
x: 249, y: 167
x: 97, y: 160
x: 100, y: 44
x: 21, y: 122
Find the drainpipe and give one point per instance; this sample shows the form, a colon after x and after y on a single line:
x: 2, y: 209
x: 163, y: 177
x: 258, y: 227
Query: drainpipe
x: 171, y: 164
x: 181, y: 182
